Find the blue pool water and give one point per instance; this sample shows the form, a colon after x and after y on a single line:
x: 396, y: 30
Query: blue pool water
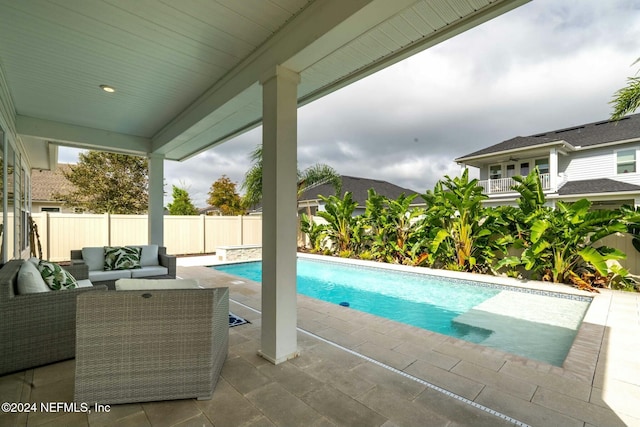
x: 479, y: 314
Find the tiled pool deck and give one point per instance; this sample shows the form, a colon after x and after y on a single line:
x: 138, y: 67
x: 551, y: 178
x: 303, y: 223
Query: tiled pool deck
x: 599, y: 384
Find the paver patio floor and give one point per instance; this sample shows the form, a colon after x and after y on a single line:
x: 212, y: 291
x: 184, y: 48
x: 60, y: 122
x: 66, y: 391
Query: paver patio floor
x: 599, y: 384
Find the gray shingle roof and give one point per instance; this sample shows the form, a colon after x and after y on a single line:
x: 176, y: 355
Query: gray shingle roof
x: 359, y: 188
x: 583, y: 135
x: 600, y: 185
x: 45, y: 183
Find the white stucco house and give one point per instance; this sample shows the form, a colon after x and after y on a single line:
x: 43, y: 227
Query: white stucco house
x: 597, y: 161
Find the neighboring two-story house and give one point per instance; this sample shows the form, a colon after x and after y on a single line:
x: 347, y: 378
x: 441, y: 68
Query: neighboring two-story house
x: 597, y: 161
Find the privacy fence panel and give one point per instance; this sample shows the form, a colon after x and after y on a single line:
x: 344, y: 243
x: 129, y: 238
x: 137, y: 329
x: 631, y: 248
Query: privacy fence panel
x: 61, y: 232
x: 252, y: 230
x: 223, y: 231
x: 184, y: 234
x: 622, y: 242
x: 128, y: 230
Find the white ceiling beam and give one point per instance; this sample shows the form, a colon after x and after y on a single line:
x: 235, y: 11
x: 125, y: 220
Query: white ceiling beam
x: 353, y: 26
x: 325, y: 25
x: 82, y: 137
x: 53, y: 156
x: 470, y: 21
x: 320, y: 29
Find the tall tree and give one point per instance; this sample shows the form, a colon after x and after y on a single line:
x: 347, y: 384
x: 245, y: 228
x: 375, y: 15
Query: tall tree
x: 108, y: 183
x: 627, y: 99
x: 182, y: 204
x: 316, y: 174
x: 224, y: 196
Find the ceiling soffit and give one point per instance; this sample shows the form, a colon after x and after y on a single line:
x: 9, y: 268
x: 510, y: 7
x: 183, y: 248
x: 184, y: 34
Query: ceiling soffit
x: 373, y: 38
x: 186, y: 73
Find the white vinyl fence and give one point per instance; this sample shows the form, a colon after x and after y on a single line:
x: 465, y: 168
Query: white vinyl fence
x: 622, y: 242
x: 60, y: 232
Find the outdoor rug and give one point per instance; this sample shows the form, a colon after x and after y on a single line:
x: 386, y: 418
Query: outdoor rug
x: 236, y: 320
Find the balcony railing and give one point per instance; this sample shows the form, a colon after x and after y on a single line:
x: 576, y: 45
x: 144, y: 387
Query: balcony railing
x: 503, y: 185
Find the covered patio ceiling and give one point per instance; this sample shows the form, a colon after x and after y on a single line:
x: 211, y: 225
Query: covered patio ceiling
x: 191, y: 74
x: 187, y: 72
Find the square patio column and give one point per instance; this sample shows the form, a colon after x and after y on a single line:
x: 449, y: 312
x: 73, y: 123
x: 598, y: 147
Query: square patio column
x: 279, y: 198
x: 156, y: 199
x: 553, y: 169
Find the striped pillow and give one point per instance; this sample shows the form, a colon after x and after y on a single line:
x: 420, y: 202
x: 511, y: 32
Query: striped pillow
x: 121, y: 258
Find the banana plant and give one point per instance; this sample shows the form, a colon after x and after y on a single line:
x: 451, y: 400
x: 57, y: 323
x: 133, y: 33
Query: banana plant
x: 315, y: 232
x: 389, y: 225
x: 339, y: 216
x: 561, y: 242
x: 463, y: 234
x: 398, y: 228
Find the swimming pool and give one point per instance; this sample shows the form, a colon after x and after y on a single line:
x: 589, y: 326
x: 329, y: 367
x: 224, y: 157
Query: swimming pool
x: 538, y: 326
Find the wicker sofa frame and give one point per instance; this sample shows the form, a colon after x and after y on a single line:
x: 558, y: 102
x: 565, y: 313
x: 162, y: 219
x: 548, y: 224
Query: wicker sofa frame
x: 151, y: 345
x: 78, y: 267
x: 37, y: 329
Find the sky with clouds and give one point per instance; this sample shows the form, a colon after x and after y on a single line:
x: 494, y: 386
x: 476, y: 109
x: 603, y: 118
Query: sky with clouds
x: 546, y: 65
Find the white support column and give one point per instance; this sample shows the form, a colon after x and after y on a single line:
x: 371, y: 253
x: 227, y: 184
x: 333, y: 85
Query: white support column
x: 156, y: 199
x: 553, y: 169
x: 279, y: 177
x: 4, y: 216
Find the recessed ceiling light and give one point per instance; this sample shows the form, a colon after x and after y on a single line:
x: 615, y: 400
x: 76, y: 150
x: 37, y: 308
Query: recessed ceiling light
x: 107, y: 88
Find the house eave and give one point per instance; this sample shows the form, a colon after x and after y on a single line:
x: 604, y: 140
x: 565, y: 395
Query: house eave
x: 630, y: 193
x: 560, y: 143
x: 607, y: 144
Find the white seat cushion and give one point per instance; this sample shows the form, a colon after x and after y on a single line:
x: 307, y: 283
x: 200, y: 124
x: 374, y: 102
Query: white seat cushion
x: 85, y: 283
x: 157, y: 270
x: 30, y: 280
x: 146, y: 284
x: 100, y: 276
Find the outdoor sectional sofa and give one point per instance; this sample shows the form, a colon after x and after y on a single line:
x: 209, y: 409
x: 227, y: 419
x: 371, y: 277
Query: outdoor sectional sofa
x: 154, y: 264
x: 37, y: 328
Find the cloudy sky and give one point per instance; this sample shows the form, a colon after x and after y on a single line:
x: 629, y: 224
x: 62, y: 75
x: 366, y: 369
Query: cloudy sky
x: 547, y: 65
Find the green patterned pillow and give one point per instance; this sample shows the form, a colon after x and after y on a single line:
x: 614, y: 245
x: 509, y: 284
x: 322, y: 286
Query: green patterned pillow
x: 121, y: 257
x: 56, y: 277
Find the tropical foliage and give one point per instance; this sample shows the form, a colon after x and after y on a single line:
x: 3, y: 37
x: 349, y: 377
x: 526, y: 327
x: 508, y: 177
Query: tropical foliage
x: 627, y: 99
x: 340, y: 220
x: 453, y: 230
x: 314, y: 175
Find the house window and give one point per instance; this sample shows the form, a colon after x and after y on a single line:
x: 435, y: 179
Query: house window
x: 495, y: 172
x: 543, y: 165
x: 524, y: 169
x: 626, y: 161
x: 511, y: 170
x: 49, y: 209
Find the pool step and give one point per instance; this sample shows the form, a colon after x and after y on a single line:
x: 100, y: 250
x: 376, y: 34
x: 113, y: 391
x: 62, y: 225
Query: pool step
x: 536, y: 326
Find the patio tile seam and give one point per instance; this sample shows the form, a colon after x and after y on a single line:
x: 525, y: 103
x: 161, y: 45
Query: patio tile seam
x: 411, y: 377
